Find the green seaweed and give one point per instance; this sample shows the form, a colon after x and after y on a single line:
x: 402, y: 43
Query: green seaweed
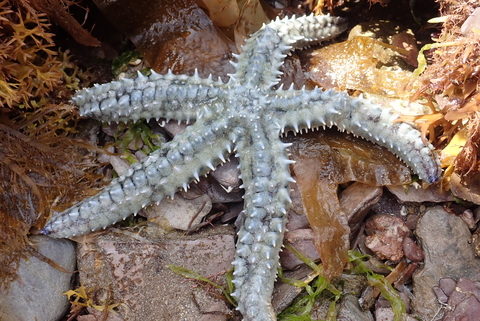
x: 301, y: 309
x: 189, y: 274
x: 380, y: 282
x: 121, y: 63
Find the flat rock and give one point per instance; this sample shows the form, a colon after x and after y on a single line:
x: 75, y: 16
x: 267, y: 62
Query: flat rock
x: 419, y: 195
x: 179, y: 213
x: 302, y: 240
x: 444, y: 239
x: 386, y: 314
x: 349, y: 310
x: 36, y: 294
x: 296, y: 215
x: 228, y: 175
x: 385, y: 236
x: 467, y: 188
x: 134, y: 268
x: 461, y: 299
x: 357, y: 200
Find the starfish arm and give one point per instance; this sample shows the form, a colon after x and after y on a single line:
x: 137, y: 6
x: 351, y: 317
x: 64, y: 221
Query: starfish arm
x: 179, y: 162
x: 359, y: 116
x: 266, y: 178
x: 263, y: 54
x: 169, y: 96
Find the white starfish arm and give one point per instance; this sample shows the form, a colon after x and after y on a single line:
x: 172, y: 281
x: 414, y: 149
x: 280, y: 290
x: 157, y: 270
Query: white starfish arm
x: 361, y: 117
x: 258, y: 64
x: 265, y: 178
x: 156, y: 96
x: 179, y: 162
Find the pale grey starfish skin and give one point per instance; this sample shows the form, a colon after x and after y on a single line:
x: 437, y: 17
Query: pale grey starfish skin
x: 244, y: 115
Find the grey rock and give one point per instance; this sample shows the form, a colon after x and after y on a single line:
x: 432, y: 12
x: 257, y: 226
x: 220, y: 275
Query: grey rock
x: 357, y: 200
x: 218, y: 193
x: 419, y: 195
x: 296, y: 215
x: 302, y: 240
x: 228, y: 175
x: 284, y: 293
x: 134, y: 266
x: 174, y: 128
x: 445, y: 241
x: 36, y: 294
x: 179, y: 213
x: 386, y: 314
x: 349, y: 310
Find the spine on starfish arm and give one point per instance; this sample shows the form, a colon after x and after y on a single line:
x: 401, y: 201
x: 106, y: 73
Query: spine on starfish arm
x: 189, y: 155
x: 363, y: 118
x: 156, y: 96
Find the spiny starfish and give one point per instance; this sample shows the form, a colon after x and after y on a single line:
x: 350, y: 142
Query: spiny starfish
x: 246, y: 116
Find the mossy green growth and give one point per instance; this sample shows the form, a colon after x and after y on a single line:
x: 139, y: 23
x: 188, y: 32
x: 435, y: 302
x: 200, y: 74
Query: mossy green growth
x: 136, y: 132
x: 121, y: 63
x: 189, y: 274
x: 380, y: 282
x: 301, y: 309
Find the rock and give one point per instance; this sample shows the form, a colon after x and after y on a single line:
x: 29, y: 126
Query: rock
x: 302, y: 240
x: 119, y: 164
x: 349, y: 310
x: 95, y: 315
x: 218, y: 193
x: 179, y: 213
x: 134, y: 266
x: 36, y: 294
x: 444, y: 239
x: 296, y: 216
x: 386, y: 314
x: 174, y: 127
x: 467, y: 188
x: 356, y: 201
x: 228, y: 175
x: 284, y: 293
x: 469, y: 219
x: 385, y: 236
x: 419, y: 195
x: 465, y: 300
x: 412, y: 251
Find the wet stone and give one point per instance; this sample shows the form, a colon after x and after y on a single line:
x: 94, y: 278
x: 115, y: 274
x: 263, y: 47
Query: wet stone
x: 445, y: 240
x: 302, y: 240
x: 134, y: 266
x: 357, y: 200
x: 227, y: 175
x: 420, y: 195
x: 179, y: 213
x: 461, y: 299
x: 36, y: 294
x: 385, y: 236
